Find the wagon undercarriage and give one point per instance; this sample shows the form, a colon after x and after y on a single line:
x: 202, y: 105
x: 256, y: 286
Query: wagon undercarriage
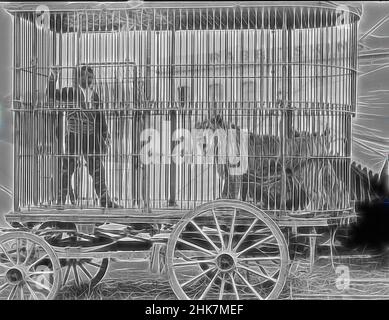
x: 216, y: 251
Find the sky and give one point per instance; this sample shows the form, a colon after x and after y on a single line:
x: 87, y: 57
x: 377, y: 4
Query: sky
x: 371, y: 126
x: 372, y: 122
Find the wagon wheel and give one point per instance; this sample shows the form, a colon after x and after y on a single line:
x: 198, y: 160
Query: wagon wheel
x: 76, y: 271
x: 227, y: 249
x: 29, y: 267
x: 84, y: 271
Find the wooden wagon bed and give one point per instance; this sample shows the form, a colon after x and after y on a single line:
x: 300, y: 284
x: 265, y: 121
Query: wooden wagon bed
x: 168, y: 216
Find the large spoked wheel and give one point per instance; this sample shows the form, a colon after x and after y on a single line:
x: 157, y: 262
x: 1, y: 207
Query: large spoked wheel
x: 225, y: 250
x: 29, y: 268
x: 76, y: 271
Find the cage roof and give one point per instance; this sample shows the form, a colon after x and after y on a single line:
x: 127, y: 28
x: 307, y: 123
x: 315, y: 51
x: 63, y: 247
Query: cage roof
x: 109, y: 16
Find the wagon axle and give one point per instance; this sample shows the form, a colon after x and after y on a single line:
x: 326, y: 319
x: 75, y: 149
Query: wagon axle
x: 15, y: 276
x: 225, y: 262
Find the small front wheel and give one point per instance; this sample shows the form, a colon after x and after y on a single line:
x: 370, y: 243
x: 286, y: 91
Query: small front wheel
x: 29, y: 267
x: 76, y: 271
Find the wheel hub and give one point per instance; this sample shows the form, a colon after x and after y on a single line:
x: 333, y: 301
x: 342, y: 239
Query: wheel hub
x: 14, y: 276
x: 225, y: 262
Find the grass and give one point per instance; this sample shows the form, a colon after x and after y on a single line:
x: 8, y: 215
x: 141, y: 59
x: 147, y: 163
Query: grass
x: 369, y: 278
x: 121, y: 289
x: 346, y: 279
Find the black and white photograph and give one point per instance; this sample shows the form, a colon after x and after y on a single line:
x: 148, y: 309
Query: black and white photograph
x: 197, y: 150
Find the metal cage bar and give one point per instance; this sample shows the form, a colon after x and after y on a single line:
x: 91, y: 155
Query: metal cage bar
x: 285, y: 76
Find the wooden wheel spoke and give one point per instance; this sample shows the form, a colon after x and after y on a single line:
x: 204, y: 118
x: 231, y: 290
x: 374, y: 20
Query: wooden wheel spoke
x: 197, y: 277
x: 12, y: 293
x: 29, y: 252
x: 209, y: 286
x: 273, y: 274
x: 192, y: 262
x: 93, y: 264
x: 67, y: 273
x: 37, y: 273
x: 259, y: 259
x: 32, y: 292
x: 38, y: 284
x: 196, y: 247
x: 205, y: 236
x: 180, y: 254
x: 263, y: 230
x: 218, y: 229
x: 37, y: 261
x: 263, y: 270
x: 258, y: 273
x: 249, y: 286
x: 17, y: 251
x: 76, y: 276
x: 221, y: 293
x: 4, y: 266
x: 231, y: 232
x: 6, y: 254
x: 85, y: 271
x: 246, y: 233
x: 4, y: 286
x: 234, y: 286
x: 21, y: 292
x: 255, y: 245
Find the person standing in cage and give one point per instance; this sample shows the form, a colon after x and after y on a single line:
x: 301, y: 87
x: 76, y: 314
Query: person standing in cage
x: 86, y: 133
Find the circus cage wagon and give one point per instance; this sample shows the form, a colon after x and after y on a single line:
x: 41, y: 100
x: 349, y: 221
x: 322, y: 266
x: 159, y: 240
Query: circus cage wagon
x: 268, y: 90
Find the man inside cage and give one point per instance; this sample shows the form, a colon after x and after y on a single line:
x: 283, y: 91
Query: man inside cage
x: 86, y: 133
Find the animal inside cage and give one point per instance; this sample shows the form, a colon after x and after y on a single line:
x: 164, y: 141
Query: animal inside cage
x: 199, y: 102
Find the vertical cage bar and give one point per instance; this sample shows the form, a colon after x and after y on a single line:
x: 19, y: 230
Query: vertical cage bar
x: 17, y: 114
x: 173, y: 112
